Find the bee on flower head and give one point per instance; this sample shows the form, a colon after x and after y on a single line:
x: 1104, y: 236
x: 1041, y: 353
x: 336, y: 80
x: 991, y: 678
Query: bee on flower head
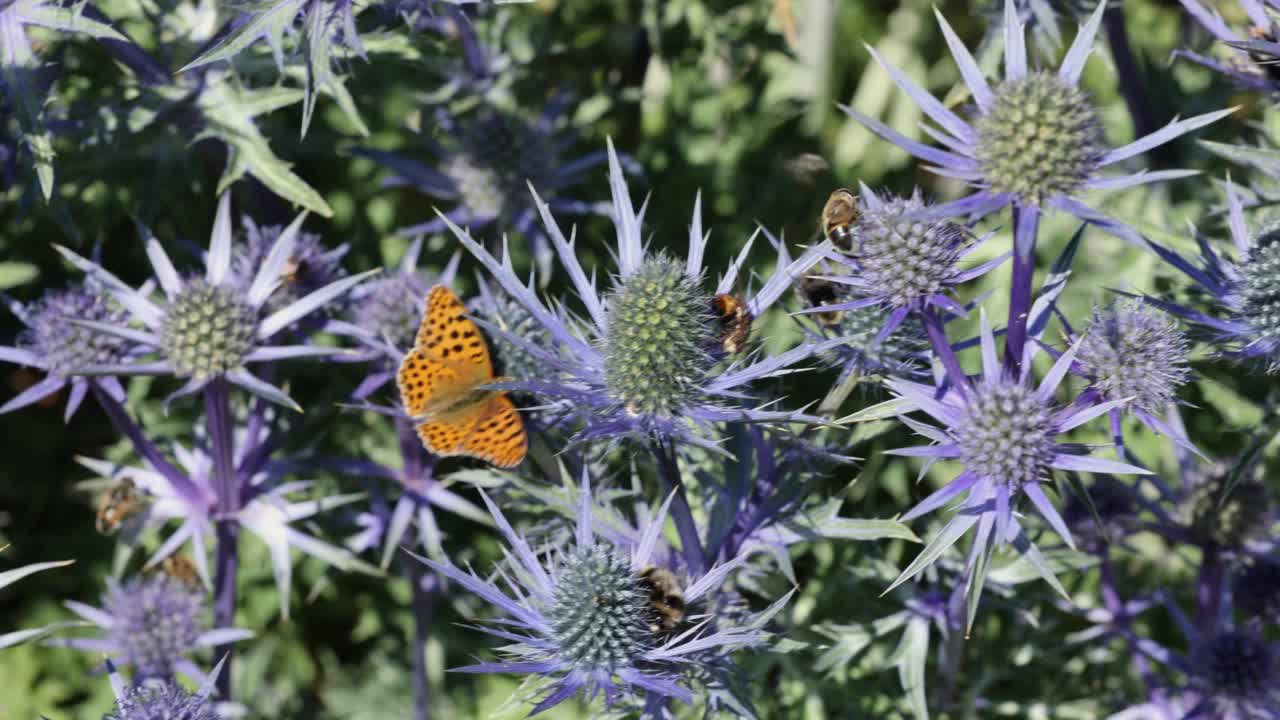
x: 838, y: 218
x: 292, y: 271
x: 665, y: 596
x: 182, y: 568
x: 734, y: 320
x: 816, y: 292
x: 121, y: 501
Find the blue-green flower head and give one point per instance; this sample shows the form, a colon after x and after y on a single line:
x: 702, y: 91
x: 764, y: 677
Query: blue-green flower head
x: 597, y: 611
x: 498, y: 154
x: 657, y: 346
x: 208, y: 330
x: 1132, y: 350
x: 1033, y: 139
x: 1040, y: 137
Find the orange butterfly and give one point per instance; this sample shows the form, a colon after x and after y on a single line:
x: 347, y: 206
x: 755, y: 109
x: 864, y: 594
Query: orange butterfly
x: 439, y: 381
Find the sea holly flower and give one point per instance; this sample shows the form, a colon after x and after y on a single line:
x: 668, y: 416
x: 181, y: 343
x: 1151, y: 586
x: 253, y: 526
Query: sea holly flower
x: 1133, y: 351
x: 162, y: 700
x: 1244, y: 320
x: 207, y: 327
x: 52, y: 343
x: 1034, y: 140
x: 152, y: 622
x: 486, y: 165
x: 577, y: 618
x: 903, y: 261
x: 1003, y: 430
x: 1253, y: 64
x: 1222, y: 519
x: 309, y: 267
x: 269, y: 511
x: 643, y: 361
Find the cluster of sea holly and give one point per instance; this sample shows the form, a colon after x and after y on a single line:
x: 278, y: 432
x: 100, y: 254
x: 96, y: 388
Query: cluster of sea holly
x: 671, y: 475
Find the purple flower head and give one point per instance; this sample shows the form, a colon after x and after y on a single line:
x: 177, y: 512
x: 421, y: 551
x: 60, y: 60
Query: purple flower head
x: 162, y: 699
x: 53, y: 344
x: 1256, y: 589
x: 153, y: 622
x: 1131, y: 350
x: 643, y: 359
x: 1253, y: 64
x: 577, y: 615
x: 903, y: 261
x: 207, y: 326
x: 1236, y: 672
x: 1004, y: 431
x: 486, y: 166
x: 1244, y: 321
x: 1033, y: 139
x: 309, y: 267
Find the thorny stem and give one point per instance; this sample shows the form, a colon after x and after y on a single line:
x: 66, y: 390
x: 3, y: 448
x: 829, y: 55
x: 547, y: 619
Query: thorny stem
x: 422, y: 607
x: 414, y: 467
x: 1026, y: 221
x: 681, y: 513
x: 226, y: 483
x: 1209, y: 590
x: 932, y: 322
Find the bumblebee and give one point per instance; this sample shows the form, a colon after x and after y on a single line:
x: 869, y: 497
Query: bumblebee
x: 735, y: 322
x: 817, y: 292
x: 665, y: 597
x: 292, y: 271
x: 120, y: 502
x: 838, y: 218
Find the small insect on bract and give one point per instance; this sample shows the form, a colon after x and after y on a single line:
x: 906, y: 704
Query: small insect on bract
x: 817, y: 292
x: 121, y: 501
x: 735, y: 322
x: 838, y: 217
x: 182, y: 568
x: 292, y: 270
x: 1268, y: 64
x: 665, y: 598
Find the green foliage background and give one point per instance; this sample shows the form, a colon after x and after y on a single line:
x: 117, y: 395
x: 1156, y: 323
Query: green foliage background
x: 709, y: 96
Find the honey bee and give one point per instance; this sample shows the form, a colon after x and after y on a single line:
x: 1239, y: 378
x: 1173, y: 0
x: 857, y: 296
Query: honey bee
x: 817, y: 292
x: 838, y: 217
x: 183, y: 569
x: 120, y: 502
x: 735, y: 321
x: 665, y: 597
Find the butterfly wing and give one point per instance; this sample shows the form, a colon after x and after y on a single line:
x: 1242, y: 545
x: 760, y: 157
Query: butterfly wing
x: 448, y: 335
x: 446, y: 435
x: 449, y: 360
x: 498, y: 437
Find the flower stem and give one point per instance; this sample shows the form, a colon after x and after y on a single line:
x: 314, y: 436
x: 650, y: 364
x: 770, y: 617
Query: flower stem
x: 422, y: 607
x: 681, y: 513
x: 932, y: 322
x: 1128, y: 75
x: 147, y: 449
x: 1026, y: 222
x: 1209, y: 590
x: 226, y: 483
